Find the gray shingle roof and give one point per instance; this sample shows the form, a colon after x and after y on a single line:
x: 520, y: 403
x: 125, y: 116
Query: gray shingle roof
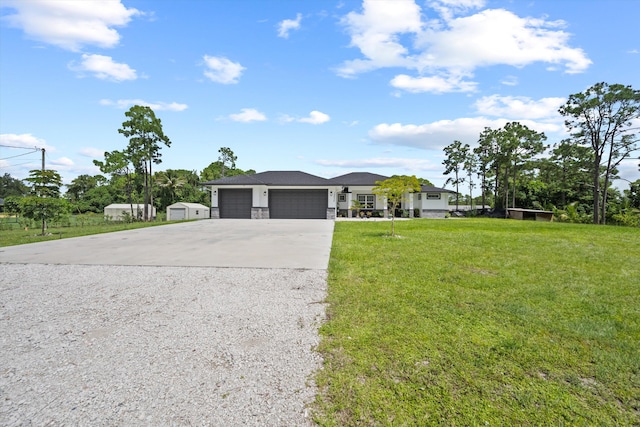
x: 273, y: 178
x: 357, y: 178
x: 430, y: 189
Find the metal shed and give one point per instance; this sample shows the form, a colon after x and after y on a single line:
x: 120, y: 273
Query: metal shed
x: 183, y: 210
x: 118, y: 211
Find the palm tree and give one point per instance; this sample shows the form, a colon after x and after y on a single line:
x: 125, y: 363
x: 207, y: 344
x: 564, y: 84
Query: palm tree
x: 170, y: 183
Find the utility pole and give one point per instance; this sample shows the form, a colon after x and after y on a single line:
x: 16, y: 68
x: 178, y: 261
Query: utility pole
x: 44, y: 222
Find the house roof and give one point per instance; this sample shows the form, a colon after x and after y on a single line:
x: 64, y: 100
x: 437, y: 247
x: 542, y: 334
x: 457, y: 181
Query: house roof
x: 189, y: 205
x: 274, y: 178
x: 431, y: 189
x: 357, y: 178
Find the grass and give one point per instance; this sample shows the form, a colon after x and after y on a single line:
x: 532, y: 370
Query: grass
x: 14, y: 233
x: 481, y: 322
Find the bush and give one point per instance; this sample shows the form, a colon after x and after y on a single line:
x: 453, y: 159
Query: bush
x: 629, y: 218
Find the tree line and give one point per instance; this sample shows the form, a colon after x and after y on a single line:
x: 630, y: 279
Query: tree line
x: 514, y: 167
x: 127, y: 177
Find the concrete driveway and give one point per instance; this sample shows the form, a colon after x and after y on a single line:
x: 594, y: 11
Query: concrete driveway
x: 205, y: 243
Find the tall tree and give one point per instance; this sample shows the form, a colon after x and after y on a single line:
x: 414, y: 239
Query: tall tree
x: 145, y: 134
x: 470, y: 166
x: 118, y: 164
x: 394, y: 190
x: 517, y: 144
x: 227, y: 156
x: 224, y: 166
x: 602, y: 118
x: 456, y: 156
x: 10, y: 186
x: 44, y: 203
x: 484, y: 155
x: 81, y: 185
x: 567, y: 170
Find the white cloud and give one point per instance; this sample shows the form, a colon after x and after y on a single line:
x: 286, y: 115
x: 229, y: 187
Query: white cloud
x: 315, y: 118
x: 103, y: 67
x: 284, y: 27
x: 411, y: 164
x: 454, y: 44
x: 497, y: 36
x: 156, y: 106
x: 248, y: 115
x: 434, y: 84
x: 25, y: 140
x: 519, y: 107
x: 71, y: 24
x: 91, y: 152
x: 222, y: 70
x: 510, y: 81
x: 65, y: 162
x: 376, y: 33
x: 437, y: 135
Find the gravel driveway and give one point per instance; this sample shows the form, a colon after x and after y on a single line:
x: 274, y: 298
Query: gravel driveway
x: 158, y: 345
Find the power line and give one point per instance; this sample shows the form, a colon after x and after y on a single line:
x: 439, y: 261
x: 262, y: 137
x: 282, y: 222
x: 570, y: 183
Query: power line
x: 22, y: 148
x: 18, y: 155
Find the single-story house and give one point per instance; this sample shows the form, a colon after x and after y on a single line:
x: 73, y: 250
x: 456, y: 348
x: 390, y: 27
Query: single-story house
x: 295, y: 194
x: 432, y: 202
x: 118, y: 211
x: 182, y: 210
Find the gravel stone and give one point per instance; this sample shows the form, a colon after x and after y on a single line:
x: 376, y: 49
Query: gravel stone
x: 111, y: 345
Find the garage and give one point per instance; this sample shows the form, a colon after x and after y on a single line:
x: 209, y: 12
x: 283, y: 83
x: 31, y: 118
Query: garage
x: 184, y: 210
x: 298, y: 204
x: 177, y: 214
x: 235, y: 202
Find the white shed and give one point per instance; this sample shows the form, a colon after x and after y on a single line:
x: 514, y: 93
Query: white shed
x: 182, y: 210
x: 118, y: 211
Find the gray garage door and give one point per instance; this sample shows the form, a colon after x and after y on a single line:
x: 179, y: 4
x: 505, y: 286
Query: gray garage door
x: 235, y: 203
x: 176, y: 214
x: 298, y: 204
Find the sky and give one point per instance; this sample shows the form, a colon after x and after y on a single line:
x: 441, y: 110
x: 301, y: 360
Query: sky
x: 326, y: 87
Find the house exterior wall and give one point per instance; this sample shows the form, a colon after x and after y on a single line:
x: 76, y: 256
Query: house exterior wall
x: 431, y: 207
x: 379, y: 203
x: 260, y: 199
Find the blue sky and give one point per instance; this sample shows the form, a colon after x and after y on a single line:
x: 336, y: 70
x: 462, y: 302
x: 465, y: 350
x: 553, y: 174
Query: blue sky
x: 327, y: 87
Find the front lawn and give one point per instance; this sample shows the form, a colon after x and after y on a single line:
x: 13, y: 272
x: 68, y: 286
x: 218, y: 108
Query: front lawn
x: 481, y: 322
x: 12, y: 233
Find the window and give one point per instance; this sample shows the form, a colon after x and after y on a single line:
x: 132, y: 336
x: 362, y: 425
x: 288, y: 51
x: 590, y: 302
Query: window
x: 433, y: 196
x: 367, y: 200
x: 342, y: 197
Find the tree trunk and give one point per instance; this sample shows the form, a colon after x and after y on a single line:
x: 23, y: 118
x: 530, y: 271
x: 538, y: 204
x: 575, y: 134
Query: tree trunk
x: 151, y: 189
x: 596, y: 191
x: 515, y: 169
x: 146, y: 192
x: 457, y: 192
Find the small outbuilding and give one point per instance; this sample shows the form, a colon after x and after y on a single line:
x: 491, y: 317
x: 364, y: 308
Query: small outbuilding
x: 530, y: 214
x: 182, y: 210
x: 119, y: 211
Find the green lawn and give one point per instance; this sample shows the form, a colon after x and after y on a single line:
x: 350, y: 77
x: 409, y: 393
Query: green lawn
x: 481, y: 322
x: 12, y: 233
